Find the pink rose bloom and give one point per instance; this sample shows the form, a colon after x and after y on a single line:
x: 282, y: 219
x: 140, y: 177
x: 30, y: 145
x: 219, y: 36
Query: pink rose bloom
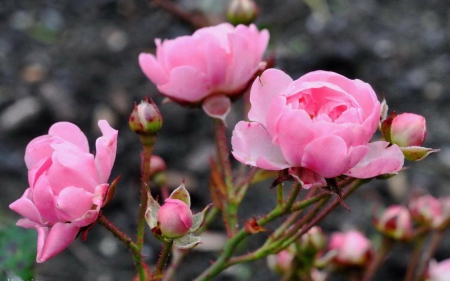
x: 351, y: 248
x: 438, y: 271
x: 214, y: 60
x: 67, y: 184
x: 321, y: 123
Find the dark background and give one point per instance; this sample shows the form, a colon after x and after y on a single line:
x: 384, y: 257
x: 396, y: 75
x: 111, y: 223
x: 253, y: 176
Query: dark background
x: 77, y: 61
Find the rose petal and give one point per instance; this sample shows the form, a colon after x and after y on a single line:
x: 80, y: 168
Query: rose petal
x: 52, y: 242
x: 152, y: 69
x: 106, y: 151
x: 71, y: 133
x: 252, y: 145
x: 25, y: 207
x: 380, y: 160
x: 73, y: 202
x: 38, y: 149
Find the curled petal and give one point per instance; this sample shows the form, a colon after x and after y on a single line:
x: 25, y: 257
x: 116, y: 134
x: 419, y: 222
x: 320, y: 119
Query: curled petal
x: 52, y: 241
x: 25, y: 207
x: 38, y: 150
x: 152, y: 69
x: 381, y: 159
x: 106, y: 151
x: 217, y: 107
x: 71, y: 133
x: 252, y: 145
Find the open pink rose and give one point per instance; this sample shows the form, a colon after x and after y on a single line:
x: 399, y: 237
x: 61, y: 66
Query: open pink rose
x: 321, y: 123
x: 67, y: 184
x: 217, y: 60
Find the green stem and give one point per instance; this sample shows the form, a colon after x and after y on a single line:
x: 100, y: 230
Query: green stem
x: 386, y: 246
x: 414, y: 261
x: 135, y: 250
x: 165, y: 253
x: 436, y: 238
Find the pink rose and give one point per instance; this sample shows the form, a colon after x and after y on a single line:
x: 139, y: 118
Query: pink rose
x: 321, y: 122
x: 351, y: 248
x: 214, y: 60
x: 67, y: 184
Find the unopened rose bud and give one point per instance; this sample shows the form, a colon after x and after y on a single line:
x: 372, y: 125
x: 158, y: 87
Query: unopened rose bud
x: 438, y: 271
x: 313, y: 240
x: 281, y: 262
x: 174, y: 218
x: 242, y: 11
x: 408, y: 129
x: 395, y: 222
x: 352, y: 248
x: 145, y: 119
x: 426, y: 210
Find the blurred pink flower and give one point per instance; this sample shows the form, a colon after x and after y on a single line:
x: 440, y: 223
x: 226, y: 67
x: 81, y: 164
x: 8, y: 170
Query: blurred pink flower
x: 426, y: 210
x: 217, y: 60
x: 67, y: 184
x: 438, y: 271
x: 322, y: 122
x: 351, y: 248
x: 395, y: 222
x: 174, y: 218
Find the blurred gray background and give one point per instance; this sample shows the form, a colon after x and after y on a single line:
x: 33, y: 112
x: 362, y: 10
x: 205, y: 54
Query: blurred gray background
x: 77, y: 61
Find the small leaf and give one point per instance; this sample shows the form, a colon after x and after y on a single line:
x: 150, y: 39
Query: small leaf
x: 181, y: 194
x: 186, y: 242
x: 253, y: 227
x: 152, y: 211
x: 198, y: 219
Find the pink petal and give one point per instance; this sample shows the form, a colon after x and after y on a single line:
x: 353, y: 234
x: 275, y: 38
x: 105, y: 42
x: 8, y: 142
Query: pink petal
x: 106, y: 151
x: 38, y: 169
x: 52, y: 242
x: 252, y: 145
x: 38, y: 149
x: 186, y: 84
x: 216, y: 58
x: 71, y: 133
x: 25, y: 207
x: 73, y: 202
x: 43, y: 198
x: 152, y: 69
x: 72, y: 169
x: 217, y: 106
x: 26, y: 223
x: 330, y: 157
x: 265, y: 88
x: 381, y: 159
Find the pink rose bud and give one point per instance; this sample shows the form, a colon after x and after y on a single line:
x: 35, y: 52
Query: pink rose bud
x: 157, y: 164
x: 352, y: 248
x: 242, y: 11
x: 215, y: 60
x: 67, y: 184
x: 313, y: 240
x: 280, y: 262
x: 322, y: 122
x: 145, y: 119
x: 408, y: 129
x: 395, y: 222
x: 174, y: 218
x: 438, y: 271
x: 426, y: 210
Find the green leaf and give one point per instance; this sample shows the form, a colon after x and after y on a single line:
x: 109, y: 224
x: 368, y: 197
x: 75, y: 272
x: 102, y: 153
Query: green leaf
x: 181, y: 194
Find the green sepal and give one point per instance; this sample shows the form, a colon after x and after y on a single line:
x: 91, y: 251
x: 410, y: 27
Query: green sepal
x: 386, y: 127
x: 198, y: 219
x: 187, y: 241
x: 152, y: 211
x: 181, y: 194
x: 417, y: 153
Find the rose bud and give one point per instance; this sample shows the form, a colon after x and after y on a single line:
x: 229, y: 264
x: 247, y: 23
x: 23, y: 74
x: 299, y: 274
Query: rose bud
x: 145, y: 118
x: 174, y: 218
x: 281, y: 262
x: 242, y: 11
x: 352, y: 248
x: 426, y: 210
x: 313, y: 240
x: 408, y: 129
x: 395, y: 222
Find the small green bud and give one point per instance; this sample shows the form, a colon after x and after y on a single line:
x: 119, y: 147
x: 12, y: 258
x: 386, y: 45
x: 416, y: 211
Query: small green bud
x: 146, y: 118
x: 242, y: 11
